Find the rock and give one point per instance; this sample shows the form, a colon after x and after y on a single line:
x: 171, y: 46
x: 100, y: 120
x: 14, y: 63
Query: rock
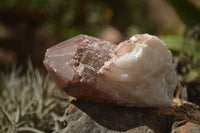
x: 182, y: 110
x: 86, y: 117
x: 185, y: 127
x: 137, y: 72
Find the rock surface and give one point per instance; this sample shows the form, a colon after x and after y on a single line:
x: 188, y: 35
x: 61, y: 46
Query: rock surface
x: 85, y: 117
x: 138, y: 72
x: 185, y: 127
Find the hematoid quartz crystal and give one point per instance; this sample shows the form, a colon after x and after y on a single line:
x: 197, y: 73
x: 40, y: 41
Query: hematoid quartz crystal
x: 137, y: 72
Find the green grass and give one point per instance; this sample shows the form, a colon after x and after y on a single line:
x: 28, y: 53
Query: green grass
x: 30, y: 102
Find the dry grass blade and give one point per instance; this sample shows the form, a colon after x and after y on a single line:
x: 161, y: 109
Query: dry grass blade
x: 18, y: 114
x: 27, y: 101
x: 28, y: 129
x: 6, y: 115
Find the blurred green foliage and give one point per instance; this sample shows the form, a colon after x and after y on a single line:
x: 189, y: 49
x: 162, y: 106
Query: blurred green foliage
x: 173, y: 43
x: 187, y: 11
x: 190, y: 46
x: 71, y: 17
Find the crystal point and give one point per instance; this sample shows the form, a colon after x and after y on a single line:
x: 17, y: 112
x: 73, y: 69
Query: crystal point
x: 137, y: 72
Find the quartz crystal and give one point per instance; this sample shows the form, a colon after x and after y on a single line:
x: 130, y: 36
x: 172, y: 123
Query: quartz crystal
x: 137, y: 72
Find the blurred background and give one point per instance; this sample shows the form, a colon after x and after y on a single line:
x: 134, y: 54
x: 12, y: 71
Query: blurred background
x: 29, y: 27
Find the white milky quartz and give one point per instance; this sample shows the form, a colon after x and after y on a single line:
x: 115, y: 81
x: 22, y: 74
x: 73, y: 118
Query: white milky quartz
x: 140, y: 73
